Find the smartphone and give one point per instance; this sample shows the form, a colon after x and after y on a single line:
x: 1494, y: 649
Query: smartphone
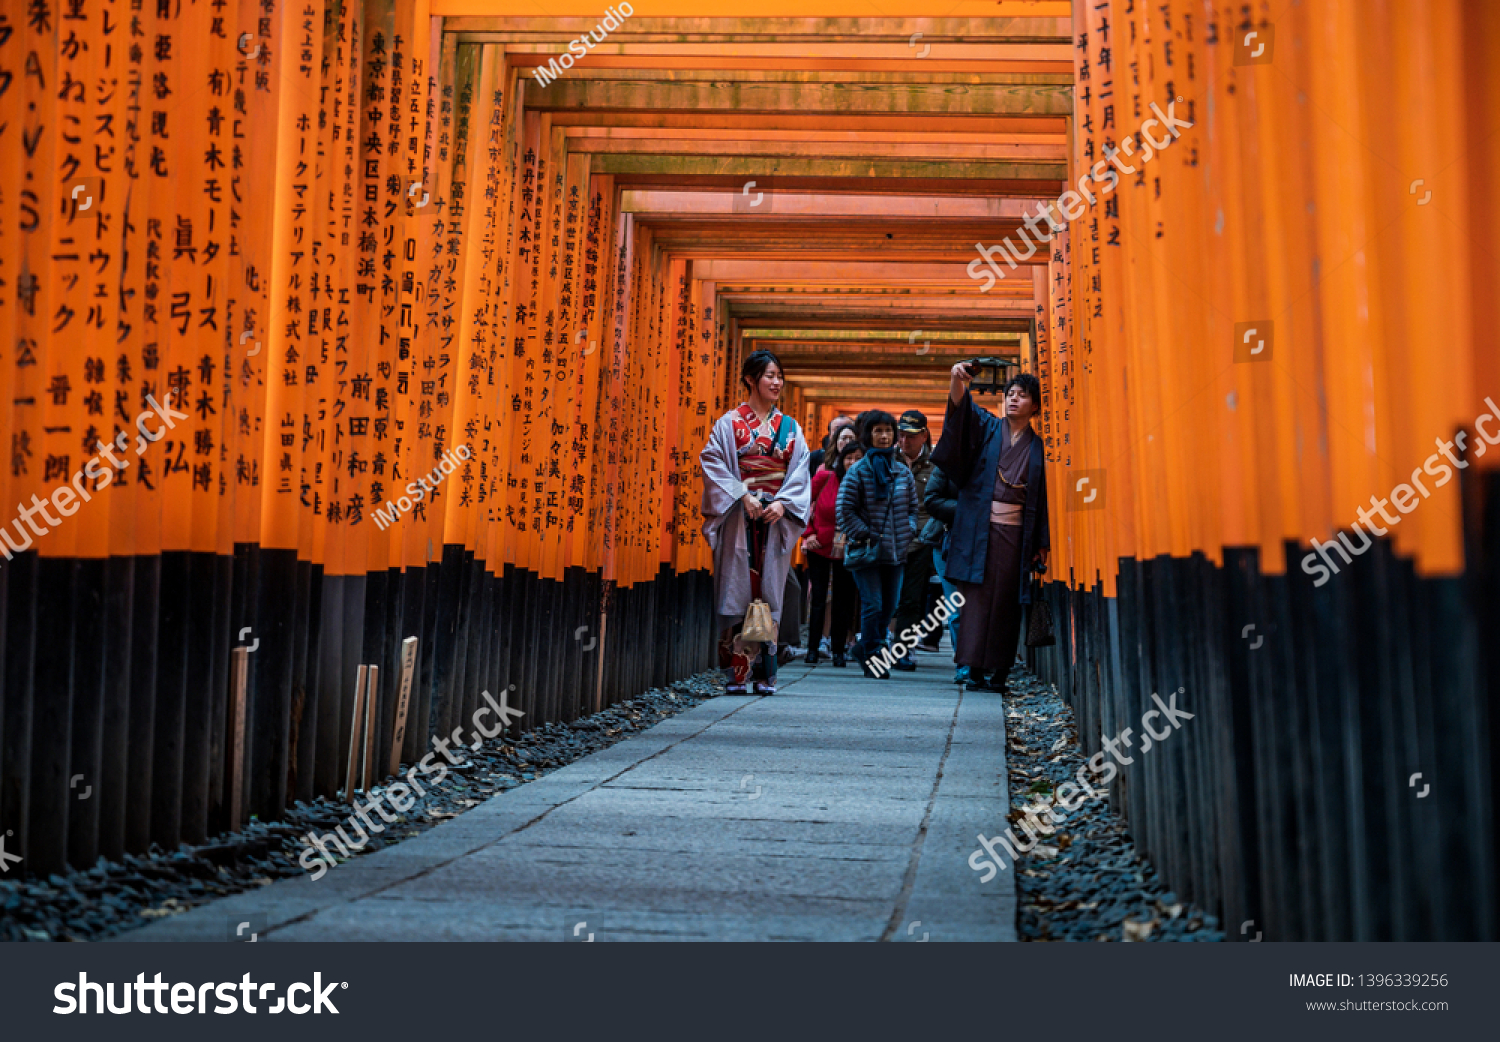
x: 987, y: 374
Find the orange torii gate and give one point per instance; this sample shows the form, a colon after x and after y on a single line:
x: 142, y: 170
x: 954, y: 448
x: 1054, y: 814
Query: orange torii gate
x: 1266, y: 334
x: 274, y: 267
x: 428, y: 369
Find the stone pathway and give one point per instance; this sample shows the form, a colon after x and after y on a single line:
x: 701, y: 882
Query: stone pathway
x: 840, y: 809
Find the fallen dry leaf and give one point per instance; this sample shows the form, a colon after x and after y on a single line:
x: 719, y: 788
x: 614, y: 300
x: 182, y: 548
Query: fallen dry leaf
x: 171, y: 906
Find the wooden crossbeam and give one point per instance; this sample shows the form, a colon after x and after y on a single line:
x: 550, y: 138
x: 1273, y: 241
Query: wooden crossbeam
x: 951, y: 65
x: 1028, y: 22
x: 954, y: 123
x: 1014, y: 177
x: 766, y: 146
x: 1040, y: 99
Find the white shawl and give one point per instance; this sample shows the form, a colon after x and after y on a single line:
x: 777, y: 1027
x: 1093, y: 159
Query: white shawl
x: 724, y: 521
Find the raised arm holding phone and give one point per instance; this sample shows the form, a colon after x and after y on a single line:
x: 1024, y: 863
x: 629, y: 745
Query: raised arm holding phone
x: 1000, y: 529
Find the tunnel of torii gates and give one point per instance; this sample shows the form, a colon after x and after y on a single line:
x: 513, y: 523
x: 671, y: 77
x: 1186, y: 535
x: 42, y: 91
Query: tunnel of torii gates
x: 294, y: 256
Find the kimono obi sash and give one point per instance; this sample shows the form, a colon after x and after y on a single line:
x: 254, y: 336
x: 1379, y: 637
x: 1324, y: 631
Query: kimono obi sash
x: 1005, y: 513
x: 765, y: 451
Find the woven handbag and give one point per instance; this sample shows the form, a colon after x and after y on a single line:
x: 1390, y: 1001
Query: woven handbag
x: 1040, y: 632
x: 759, y: 626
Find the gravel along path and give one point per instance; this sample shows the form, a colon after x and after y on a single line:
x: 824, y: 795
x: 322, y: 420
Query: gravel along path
x: 1085, y: 882
x: 113, y: 897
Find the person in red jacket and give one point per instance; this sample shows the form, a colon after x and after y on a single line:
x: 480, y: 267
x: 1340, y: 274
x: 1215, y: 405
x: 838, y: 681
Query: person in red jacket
x: 825, y: 564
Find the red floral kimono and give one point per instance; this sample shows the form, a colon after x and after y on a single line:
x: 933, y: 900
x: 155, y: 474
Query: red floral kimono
x: 763, y: 456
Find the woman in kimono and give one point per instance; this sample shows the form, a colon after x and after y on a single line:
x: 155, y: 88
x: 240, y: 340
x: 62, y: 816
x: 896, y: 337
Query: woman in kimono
x: 757, y: 496
x: 999, y: 534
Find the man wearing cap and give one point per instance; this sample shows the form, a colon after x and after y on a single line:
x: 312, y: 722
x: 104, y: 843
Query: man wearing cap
x: 915, y: 444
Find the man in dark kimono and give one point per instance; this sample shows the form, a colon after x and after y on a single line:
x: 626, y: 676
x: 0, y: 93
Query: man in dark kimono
x: 1000, y: 532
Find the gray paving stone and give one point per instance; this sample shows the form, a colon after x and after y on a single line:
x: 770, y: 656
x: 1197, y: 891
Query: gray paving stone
x: 840, y: 809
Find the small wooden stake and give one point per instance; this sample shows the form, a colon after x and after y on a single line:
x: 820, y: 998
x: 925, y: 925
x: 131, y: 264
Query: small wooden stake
x: 355, y: 745
x: 599, y: 669
x: 372, y: 682
x: 241, y: 677
x: 403, y: 701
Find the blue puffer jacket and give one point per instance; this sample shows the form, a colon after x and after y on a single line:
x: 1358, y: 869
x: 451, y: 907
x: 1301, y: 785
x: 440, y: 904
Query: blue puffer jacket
x: 891, y: 520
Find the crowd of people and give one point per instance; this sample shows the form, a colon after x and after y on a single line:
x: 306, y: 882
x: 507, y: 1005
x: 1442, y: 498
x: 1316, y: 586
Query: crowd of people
x: 879, y: 511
